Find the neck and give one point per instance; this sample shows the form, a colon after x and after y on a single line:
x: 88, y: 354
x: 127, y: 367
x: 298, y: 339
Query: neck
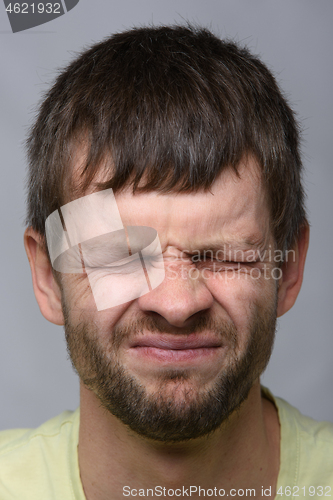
x: 243, y: 453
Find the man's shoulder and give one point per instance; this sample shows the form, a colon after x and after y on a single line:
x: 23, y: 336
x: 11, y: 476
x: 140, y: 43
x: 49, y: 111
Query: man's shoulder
x: 13, y: 439
x: 32, y: 459
x: 306, y: 449
x: 310, y: 431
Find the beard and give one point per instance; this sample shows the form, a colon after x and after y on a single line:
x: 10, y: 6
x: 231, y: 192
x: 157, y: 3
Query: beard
x: 175, y: 411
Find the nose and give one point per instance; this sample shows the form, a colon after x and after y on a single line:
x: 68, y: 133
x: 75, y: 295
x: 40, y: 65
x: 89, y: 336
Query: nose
x: 177, y: 298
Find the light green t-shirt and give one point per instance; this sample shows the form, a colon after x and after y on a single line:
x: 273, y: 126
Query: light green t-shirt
x: 42, y: 464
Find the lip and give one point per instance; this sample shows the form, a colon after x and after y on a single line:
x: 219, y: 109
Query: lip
x: 175, y: 349
x: 176, y: 342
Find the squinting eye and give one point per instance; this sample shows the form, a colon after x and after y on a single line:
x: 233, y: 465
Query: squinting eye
x: 220, y: 266
x: 130, y: 268
x: 203, y: 261
x: 102, y: 262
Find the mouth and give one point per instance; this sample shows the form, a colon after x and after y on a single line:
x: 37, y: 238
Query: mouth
x: 175, y: 348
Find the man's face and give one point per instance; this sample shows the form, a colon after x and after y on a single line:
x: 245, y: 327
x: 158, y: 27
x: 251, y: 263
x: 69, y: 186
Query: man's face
x: 174, y: 363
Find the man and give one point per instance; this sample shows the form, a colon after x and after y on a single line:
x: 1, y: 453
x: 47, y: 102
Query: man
x: 167, y: 232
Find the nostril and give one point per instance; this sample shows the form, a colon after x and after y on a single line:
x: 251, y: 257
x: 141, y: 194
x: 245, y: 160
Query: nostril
x: 176, y: 301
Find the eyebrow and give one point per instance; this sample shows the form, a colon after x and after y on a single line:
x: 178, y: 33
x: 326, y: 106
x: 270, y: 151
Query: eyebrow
x: 115, y: 248
x: 250, y: 243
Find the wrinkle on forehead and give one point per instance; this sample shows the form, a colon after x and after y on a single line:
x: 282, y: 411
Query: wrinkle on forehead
x: 233, y: 203
x: 235, y: 207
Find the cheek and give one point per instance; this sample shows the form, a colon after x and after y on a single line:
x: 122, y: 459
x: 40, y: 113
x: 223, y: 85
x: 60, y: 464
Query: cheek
x: 81, y: 307
x: 77, y: 296
x: 240, y: 295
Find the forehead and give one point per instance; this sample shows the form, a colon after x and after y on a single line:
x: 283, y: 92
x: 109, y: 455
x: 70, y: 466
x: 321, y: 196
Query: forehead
x: 235, y: 210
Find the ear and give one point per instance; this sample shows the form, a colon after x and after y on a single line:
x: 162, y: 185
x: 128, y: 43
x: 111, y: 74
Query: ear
x: 46, y: 289
x: 292, y: 273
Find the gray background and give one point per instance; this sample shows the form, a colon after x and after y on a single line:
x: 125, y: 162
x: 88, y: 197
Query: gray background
x: 295, y: 39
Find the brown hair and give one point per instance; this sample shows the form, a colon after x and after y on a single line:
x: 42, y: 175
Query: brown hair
x: 169, y: 108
